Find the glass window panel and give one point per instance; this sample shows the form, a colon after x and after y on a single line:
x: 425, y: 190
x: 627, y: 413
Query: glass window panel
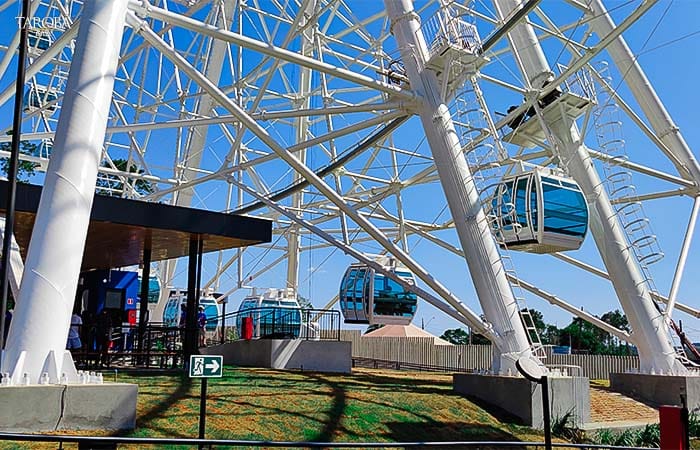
x: 565, y: 210
x: 520, y: 203
x: 390, y: 299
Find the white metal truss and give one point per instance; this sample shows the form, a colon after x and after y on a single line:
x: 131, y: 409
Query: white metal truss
x: 301, y: 111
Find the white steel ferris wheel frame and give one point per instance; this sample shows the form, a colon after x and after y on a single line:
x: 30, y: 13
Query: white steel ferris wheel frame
x: 214, y: 83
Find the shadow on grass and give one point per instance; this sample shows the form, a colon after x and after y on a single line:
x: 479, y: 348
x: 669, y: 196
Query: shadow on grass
x: 146, y: 418
x: 335, y: 412
x: 448, y: 432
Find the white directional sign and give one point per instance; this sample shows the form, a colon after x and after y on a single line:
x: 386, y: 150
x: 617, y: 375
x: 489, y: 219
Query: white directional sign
x: 206, y: 366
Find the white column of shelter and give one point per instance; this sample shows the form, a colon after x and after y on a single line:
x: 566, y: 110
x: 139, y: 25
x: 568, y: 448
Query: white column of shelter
x: 196, y: 144
x: 37, y: 337
x: 482, y: 255
x: 648, y: 329
x: 301, y: 128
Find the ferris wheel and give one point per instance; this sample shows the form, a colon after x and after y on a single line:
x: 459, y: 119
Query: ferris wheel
x: 425, y: 132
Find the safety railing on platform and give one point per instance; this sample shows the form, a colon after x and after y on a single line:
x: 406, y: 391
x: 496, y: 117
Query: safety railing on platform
x: 124, y: 346
x: 278, y: 323
x: 445, y: 28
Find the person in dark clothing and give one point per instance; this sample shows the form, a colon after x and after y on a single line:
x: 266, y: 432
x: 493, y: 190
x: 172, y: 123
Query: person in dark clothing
x: 103, y: 330
x: 183, y: 316
x: 201, y: 326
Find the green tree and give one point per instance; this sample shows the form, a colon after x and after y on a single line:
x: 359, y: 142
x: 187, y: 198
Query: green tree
x: 584, y: 337
x: 112, y: 185
x: 456, y: 336
x: 479, y: 339
x: 617, y: 319
x: 25, y: 169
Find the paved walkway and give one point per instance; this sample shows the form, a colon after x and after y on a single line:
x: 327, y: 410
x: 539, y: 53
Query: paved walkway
x: 612, y: 410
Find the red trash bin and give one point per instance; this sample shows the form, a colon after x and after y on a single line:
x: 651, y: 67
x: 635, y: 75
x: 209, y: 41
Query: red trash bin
x: 247, y: 331
x: 674, y: 432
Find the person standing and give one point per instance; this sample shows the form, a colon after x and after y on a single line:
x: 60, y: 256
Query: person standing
x: 103, y: 330
x: 183, y: 316
x: 201, y: 325
x: 76, y: 323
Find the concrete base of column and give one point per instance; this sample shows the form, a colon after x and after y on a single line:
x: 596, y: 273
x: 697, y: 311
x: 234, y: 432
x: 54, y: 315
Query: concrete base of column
x: 34, y: 408
x: 658, y: 389
x: 523, y: 399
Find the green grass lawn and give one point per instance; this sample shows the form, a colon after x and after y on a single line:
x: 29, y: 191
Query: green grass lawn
x: 263, y: 404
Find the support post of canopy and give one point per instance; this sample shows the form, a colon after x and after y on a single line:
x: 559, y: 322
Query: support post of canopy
x: 37, y: 339
x: 482, y: 256
x: 145, y: 285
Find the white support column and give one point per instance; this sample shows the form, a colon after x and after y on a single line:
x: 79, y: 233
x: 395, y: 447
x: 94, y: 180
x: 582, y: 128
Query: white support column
x: 482, y: 256
x: 39, y: 330
x: 301, y: 129
x: 197, y: 140
x: 649, y: 331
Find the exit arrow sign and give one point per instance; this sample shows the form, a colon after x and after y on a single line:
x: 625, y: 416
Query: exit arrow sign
x: 206, y: 366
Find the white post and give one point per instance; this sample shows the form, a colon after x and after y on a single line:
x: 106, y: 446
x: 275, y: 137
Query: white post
x: 482, y: 256
x: 649, y: 331
x: 37, y: 338
x: 678, y: 275
x: 196, y: 141
x: 301, y: 129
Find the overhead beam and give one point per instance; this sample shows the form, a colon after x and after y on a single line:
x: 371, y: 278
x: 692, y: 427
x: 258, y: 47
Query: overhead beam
x: 146, y: 10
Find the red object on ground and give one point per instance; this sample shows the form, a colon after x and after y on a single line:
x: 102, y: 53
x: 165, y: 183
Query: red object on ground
x: 247, y: 331
x: 673, y: 428
x: 131, y: 317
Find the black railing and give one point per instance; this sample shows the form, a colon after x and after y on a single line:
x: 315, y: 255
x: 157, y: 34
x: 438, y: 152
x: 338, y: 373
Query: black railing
x: 161, y: 347
x: 121, y: 347
x: 113, y: 441
x: 372, y: 363
x: 280, y: 323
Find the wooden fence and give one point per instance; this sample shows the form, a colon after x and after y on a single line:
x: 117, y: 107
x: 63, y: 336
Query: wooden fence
x: 423, y: 351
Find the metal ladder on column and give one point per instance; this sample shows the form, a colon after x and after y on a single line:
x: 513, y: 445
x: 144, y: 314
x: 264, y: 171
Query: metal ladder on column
x: 623, y: 194
x: 485, y: 153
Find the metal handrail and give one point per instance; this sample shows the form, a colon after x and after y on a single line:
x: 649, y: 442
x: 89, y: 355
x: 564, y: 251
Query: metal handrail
x: 22, y: 437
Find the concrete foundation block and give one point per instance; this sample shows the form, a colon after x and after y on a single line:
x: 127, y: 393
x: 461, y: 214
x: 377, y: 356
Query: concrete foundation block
x: 319, y: 356
x: 658, y: 389
x: 37, y: 408
x: 523, y: 399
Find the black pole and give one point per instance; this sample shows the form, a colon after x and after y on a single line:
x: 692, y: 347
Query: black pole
x: 545, y: 413
x: 200, y: 243
x: 191, y: 322
x: 145, y: 284
x: 223, y: 321
x: 12, y: 173
x: 202, y: 409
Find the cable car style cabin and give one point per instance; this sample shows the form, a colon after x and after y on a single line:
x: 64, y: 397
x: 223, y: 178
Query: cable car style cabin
x: 276, y: 314
x: 40, y: 97
x: 370, y: 297
x: 539, y: 211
